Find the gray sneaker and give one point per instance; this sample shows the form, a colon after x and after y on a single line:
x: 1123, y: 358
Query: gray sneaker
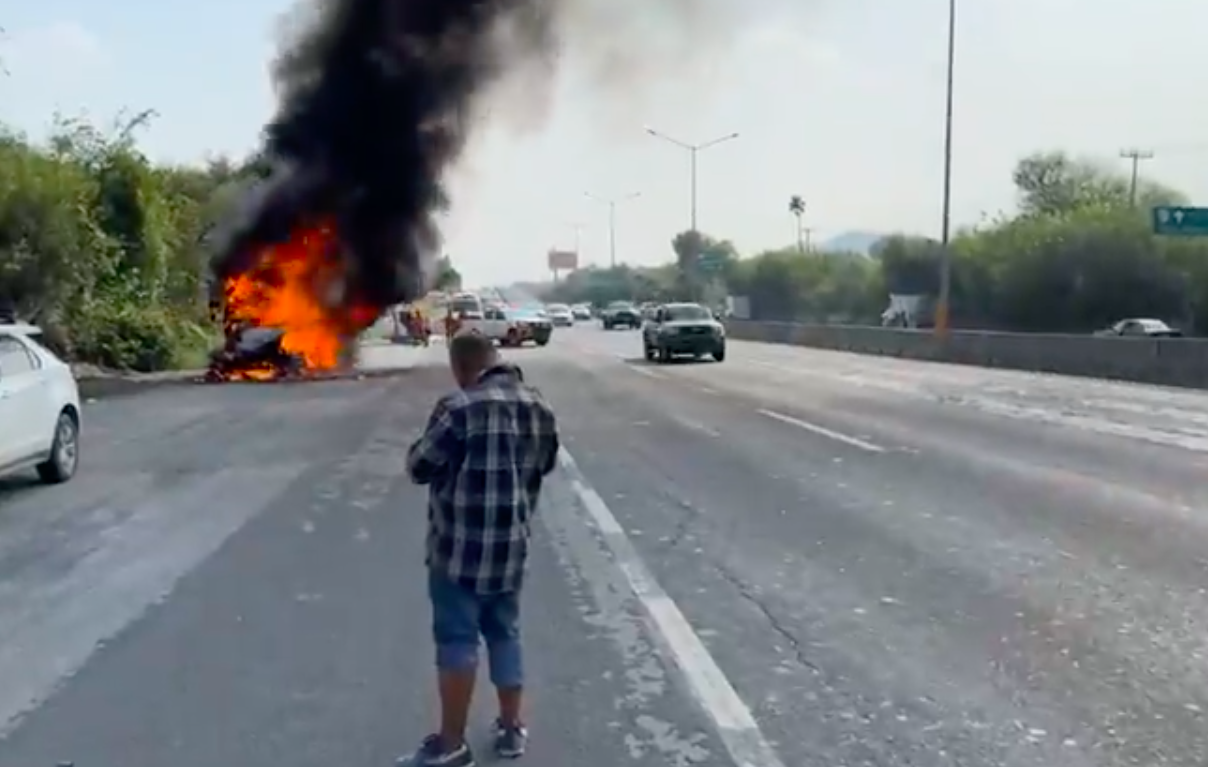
x: 510, y: 741
x: 432, y: 754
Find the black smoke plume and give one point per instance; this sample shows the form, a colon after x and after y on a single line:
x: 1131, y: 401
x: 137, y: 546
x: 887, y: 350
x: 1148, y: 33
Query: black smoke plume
x: 377, y: 98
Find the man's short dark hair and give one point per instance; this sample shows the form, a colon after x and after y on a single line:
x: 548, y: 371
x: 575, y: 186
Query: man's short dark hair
x: 471, y: 349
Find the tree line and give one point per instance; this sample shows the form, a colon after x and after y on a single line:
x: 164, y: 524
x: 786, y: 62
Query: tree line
x: 1078, y: 255
x: 107, y: 250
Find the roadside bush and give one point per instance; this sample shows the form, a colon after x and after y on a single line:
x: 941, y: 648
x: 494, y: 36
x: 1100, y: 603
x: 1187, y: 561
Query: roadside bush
x: 1077, y: 256
x: 102, y: 248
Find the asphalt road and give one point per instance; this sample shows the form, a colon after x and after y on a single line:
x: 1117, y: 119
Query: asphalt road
x: 791, y: 558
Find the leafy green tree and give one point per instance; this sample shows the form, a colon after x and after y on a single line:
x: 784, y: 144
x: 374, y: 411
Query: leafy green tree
x: 103, y: 248
x: 447, y: 279
x: 911, y: 265
x: 1052, y: 183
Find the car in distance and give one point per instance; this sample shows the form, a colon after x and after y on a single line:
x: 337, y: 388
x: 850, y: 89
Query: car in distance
x: 560, y: 315
x: 39, y: 407
x: 1140, y: 328
x: 683, y: 329
x: 581, y: 312
x: 468, y: 306
x: 621, y: 314
x: 530, y: 325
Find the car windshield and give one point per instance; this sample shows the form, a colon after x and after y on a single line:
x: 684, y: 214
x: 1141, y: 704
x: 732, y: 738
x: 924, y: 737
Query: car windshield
x: 687, y: 312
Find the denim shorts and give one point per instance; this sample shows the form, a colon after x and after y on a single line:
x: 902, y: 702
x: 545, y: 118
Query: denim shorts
x: 460, y: 616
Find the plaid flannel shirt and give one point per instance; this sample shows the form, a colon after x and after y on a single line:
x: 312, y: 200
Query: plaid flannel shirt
x: 484, y: 455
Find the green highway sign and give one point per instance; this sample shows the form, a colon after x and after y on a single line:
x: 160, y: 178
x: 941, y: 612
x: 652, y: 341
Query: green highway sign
x: 711, y: 262
x: 1176, y: 221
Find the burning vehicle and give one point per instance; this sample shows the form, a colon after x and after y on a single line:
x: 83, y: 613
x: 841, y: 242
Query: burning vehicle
x: 274, y: 319
x: 254, y: 354
x: 378, y: 98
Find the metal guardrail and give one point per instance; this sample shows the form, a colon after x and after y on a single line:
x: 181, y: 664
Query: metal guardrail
x: 1179, y: 362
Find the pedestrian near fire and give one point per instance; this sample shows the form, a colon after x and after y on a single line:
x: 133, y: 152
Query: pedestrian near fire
x: 485, y: 452
x: 452, y: 324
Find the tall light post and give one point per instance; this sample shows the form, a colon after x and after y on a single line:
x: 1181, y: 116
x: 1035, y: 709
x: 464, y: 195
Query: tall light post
x: 577, y: 228
x: 693, y: 150
x: 943, y: 309
x: 612, y: 203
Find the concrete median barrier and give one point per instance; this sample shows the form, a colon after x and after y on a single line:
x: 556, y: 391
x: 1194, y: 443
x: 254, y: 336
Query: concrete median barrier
x: 1165, y: 361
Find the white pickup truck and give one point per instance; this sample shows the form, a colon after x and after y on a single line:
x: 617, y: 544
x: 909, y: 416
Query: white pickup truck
x: 509, y: 328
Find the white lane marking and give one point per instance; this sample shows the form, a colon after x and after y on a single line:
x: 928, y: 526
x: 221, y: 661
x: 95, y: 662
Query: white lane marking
x: 706, y: 390
x: 735, y: 723
x: 688, y: 423
x: 645, y: 372
x: 823, y: 431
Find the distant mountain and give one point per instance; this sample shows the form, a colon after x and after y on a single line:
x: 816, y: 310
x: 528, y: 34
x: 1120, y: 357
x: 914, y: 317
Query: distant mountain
x: 852, y: 242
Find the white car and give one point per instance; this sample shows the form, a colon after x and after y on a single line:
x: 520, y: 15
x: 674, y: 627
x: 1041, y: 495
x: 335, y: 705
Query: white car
x: 560, y: 315
x: 39, y: 407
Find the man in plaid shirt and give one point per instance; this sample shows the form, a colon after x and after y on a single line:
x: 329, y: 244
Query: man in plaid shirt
x: 485, y: 452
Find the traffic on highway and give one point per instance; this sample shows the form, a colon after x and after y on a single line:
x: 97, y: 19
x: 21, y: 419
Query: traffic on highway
x: 798, y: 557
x: 776, y: 443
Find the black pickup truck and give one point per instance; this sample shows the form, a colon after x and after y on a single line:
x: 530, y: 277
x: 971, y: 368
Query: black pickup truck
x: 621, y: 314
x: 689, y: 329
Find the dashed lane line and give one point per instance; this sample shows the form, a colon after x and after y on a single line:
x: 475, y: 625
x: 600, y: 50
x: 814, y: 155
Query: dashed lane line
x: 735, y: 723
x: 823, y: 431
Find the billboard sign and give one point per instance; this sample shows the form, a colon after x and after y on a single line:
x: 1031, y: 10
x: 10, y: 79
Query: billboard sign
x: 563, y: 260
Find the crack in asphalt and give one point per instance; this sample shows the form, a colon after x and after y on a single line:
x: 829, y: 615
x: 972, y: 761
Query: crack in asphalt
x: 769, y: 615
x: 688, y: 515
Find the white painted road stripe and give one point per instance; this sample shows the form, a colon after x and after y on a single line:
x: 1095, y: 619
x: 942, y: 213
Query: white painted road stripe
x: 689, y: 423
x: 735, y: 723
x: 823, y: 431
x: 645, y: 372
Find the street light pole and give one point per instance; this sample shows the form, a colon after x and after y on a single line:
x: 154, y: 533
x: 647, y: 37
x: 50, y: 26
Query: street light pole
x: 693, y: 150
x: 577, y: 227
x: 612, y: 234
x: 944, y: 308
x: 612, y: 220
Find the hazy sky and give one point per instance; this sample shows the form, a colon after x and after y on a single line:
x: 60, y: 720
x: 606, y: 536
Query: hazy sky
x: 840, y: 101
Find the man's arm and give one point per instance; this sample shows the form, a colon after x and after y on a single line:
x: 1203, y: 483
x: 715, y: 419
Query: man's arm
x: 438, y: 448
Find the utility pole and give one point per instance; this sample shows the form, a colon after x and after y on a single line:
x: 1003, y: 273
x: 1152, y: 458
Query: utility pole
x: 612, y: 220
x: 1135, y: 156
x: 943, y: 309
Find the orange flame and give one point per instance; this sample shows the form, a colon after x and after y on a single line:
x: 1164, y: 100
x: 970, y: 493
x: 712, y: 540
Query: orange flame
x: 299, y: 287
